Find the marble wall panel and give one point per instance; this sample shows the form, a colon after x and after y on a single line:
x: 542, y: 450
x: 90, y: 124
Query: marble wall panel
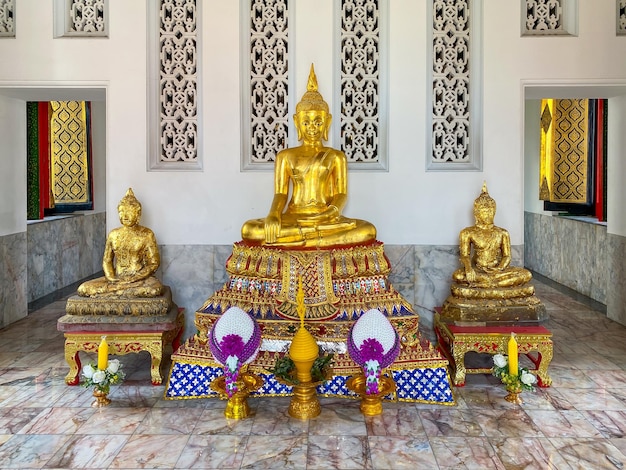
x: 63, y: 251
x: 194, y: 273
x: 616, y: 292
x: 568, y: 251
x: 422, y: 274
x: 13, y: 278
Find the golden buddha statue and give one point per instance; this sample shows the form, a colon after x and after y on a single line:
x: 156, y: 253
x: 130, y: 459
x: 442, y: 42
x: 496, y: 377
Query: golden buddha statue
x: 131, y: 257
x: 318, y: 176
x: 490, y: 264
x: 487, y: 287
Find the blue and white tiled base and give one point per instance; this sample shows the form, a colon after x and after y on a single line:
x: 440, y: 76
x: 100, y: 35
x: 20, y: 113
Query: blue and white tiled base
x: 426, y: 385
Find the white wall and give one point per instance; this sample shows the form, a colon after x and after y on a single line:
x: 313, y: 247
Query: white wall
x: 407, y: 204
x: 616, y: 167
x: 12, y: 166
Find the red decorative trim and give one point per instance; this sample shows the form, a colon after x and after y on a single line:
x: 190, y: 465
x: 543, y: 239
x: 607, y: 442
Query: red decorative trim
x: 599, y: 176
x: 43, y: 128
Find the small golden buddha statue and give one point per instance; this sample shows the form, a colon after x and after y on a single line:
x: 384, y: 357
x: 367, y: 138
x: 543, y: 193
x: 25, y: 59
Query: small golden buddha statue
x: 490, y: 264
x: 318, y: 179
x: 487, y: 288
x: 131, y: 257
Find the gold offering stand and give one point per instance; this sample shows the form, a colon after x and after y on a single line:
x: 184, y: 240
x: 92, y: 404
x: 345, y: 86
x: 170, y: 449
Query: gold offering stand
x: 514, y: 395
x: 304, y: 402
x: 371, y: 404
x: 101, y: 398
x: 237, y: 405
x: 303, y: 352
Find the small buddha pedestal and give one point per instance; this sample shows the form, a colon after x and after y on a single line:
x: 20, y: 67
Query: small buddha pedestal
x: 130, y: 325
x: 455, y: 341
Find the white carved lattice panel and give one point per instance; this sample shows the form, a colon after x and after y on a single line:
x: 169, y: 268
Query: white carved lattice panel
x: 360, y: 73
x: 7, y: 18
x: 268, y: 87
x: 87, y: 16
x: 544, y: 16
x: 81, y: 18
x: 178, y: 81
x: 621, y: 17
x: 451, y: 81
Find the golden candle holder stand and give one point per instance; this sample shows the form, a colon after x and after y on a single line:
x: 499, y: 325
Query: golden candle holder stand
x: 237, y: 405
x: 371, y: 404
x: 101, y: 399
x: 514, y: 395
x: 305, y: 403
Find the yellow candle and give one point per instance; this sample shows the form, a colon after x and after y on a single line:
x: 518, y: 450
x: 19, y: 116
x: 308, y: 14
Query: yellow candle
x: 103, y: 354
x: 513, y: 361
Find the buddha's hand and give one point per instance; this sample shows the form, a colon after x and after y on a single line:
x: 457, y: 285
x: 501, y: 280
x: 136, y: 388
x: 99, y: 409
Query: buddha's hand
x: 328, y: 215
x: 493, y: 269
x: 272, y: 228
x: 470, y: 275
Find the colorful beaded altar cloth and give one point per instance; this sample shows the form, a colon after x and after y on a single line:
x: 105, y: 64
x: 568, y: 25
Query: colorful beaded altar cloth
x: 339, y: 285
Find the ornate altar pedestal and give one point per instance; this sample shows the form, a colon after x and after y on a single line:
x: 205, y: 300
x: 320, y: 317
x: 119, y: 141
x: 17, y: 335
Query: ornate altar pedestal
x: 339, y: 285
x: 455, y: 341
x: 128, y: 330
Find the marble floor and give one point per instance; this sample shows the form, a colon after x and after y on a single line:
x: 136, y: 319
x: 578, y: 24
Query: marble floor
x: 578, y: 423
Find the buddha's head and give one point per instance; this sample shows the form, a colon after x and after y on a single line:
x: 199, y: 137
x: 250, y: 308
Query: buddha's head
x: 484, y: 207
x: 312, y: 118
x: 129, y: 209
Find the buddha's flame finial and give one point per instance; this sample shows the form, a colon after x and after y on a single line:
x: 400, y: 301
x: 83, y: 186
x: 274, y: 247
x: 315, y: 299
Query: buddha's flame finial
x: 312, y: 82
x: 300, y: 302
x: 312, y: 100
x: 485, y: 200
x: 129, y: 199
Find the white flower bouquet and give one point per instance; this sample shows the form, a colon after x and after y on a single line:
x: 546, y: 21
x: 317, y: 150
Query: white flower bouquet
x: 523, y: 381
x: 102, y: 379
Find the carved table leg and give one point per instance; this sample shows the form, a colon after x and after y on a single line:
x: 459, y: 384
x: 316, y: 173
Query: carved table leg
x: 545, y: 356
x: 156, y: 353
x: 72, y: 359
x: 459, y: 365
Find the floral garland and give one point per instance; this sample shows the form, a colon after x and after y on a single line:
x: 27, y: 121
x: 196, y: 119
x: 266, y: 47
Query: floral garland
x: 102, y: 379
x: 523, y: 381
x: 373, y: 344
x: 235, y: 340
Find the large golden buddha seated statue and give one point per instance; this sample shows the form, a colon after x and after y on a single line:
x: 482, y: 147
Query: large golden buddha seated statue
x: 318, y: 178
x: 486, y: 288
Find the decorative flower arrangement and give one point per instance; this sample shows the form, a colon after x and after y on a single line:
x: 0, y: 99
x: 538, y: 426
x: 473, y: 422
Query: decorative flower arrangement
x: 235, y: 340
x: 285, y: 369
x: 102, y: 379
x: 523, y: 381
x: 373, y: 344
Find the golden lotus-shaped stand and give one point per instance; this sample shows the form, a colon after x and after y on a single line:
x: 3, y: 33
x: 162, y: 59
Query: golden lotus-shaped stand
x: 371, y: 404
x: 514, y: 395
x: 304, y: 403
x: 237, y: 405
x: 101, y: 399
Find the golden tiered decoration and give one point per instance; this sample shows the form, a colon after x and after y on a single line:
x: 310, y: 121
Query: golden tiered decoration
x: 303, y: 352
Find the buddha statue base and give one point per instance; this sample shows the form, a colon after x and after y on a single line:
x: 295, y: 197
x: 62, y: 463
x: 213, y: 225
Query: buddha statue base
x: 493, y: 305
x: 339, y: 285
x: 121, y: 305
x: 131, y: 325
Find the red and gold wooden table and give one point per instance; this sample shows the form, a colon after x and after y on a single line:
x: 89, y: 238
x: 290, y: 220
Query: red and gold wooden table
x: 455, y: 341
x: 122, y: 339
